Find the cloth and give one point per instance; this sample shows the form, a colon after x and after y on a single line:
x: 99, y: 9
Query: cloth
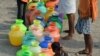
x: 67, y: 6
x: 88, y: 8
x: 83, y: 26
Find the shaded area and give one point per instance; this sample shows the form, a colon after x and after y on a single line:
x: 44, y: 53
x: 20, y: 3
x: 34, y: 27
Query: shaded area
x: 6, y: 49
x: 3, y: 36
x: 4, y: 27
x: 77, y: 44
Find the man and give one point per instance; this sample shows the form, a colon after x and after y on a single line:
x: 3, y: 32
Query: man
x: 68, y: 7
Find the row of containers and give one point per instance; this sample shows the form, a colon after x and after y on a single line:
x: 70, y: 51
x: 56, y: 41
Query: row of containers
x: 41, y: 37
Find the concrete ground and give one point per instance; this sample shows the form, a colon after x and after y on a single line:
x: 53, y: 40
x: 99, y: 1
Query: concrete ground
x: 8, y: 15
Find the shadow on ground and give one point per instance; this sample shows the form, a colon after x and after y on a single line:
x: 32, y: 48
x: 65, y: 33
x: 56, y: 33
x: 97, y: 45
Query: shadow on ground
x: 4, y: 26
x: 5, y: 47
x: 77, y: 44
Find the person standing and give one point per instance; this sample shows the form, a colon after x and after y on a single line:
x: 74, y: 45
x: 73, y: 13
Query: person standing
x: 21, y: 10
x: 88, y: 11
x: 68, y: 7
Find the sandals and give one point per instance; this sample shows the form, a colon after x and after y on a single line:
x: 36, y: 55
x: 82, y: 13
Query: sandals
x: 83, y: 52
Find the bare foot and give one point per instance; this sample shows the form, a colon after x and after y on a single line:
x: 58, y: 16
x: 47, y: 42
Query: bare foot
x: 83, y: 52
x: 67, y: 37
x: 67, y: 31
x: 89, y: 54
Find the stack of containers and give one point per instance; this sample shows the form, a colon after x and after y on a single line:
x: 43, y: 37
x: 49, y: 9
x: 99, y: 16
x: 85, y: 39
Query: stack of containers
x: 44, y: 28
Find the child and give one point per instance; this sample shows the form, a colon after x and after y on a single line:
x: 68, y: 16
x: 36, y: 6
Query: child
x: 21, y: 10
x: 87, y: 15
x: 68, y: 7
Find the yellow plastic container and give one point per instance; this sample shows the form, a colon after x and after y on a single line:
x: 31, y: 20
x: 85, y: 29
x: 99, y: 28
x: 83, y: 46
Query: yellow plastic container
x: 49, y: 13
x: 16, y: 36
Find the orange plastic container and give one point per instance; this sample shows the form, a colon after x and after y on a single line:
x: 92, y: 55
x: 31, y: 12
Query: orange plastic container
x: 54, y: 31
x: 25, y: 1
x: 52, y: 3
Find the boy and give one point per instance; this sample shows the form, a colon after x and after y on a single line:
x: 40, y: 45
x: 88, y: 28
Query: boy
x: 87, y: 15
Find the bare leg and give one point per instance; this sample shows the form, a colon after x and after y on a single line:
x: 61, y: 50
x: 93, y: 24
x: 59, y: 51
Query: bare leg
x: 71, y: 23
x: 71, y: 19
x: 88, y: 45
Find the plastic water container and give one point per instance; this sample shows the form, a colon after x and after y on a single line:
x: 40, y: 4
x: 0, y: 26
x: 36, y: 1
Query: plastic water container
x: 25, y: 51
x: 52, y: 3
x: 19, y: 23
x: 54, y: 31
x: 41, y: 7
x: 35, y: 48
x: 58, y: 20
x: 49, y: 13
x: 29, y: 38
x: 16, y: 36
x: 47, y: 51
x: 43, y: 23
x: 37, y: 29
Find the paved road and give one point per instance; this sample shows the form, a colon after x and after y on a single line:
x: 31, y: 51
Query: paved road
x: 8, y: 16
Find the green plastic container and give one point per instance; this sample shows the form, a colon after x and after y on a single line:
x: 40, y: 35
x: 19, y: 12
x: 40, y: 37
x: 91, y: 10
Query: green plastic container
x: 60, y: 26
x: 58, y: 21
x: 25, y: 51
x: 19, y: 23
x: 35, y: 48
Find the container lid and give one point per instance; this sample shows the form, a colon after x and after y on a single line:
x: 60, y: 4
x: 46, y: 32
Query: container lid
x: 25, y: 47
x: 47, y: 39
x: 43, y: 44
x: 55, y: 14
x: 40, y: 3
x: 39, y: 17
x: 35, y: 43
x: 26, y: 53
x: 19, y: 21
x: 37, y: 22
